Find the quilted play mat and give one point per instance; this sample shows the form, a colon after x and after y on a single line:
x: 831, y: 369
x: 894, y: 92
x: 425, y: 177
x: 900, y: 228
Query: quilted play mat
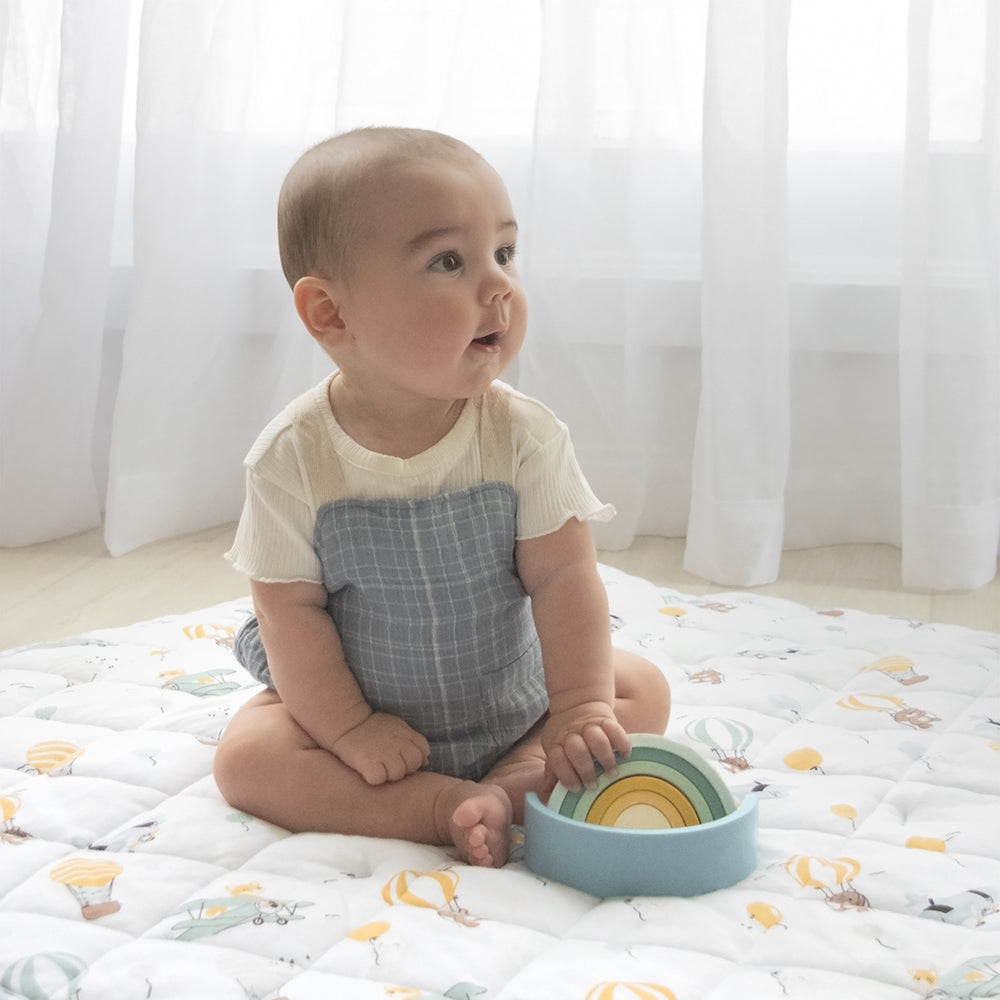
x: 870, y: 744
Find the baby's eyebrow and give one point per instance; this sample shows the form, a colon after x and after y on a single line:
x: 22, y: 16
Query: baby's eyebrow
x: 431, y: 235
x: 441, y: 232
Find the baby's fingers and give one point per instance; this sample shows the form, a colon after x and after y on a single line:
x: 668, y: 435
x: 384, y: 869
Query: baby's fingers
x: 602, y: 742
x: 618, y: 740
x: 559, y: 768
x: 585, y: 750
x: 415, y: 754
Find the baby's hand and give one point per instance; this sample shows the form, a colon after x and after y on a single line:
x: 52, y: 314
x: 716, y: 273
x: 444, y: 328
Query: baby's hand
x: 576, y: 737
x: 382, y: 748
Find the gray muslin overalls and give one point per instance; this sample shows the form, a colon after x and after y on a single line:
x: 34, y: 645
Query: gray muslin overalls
x: 435, y: 624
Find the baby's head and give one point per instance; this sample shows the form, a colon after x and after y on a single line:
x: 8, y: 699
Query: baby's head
x: 326, y: 195
x: 399, y: 245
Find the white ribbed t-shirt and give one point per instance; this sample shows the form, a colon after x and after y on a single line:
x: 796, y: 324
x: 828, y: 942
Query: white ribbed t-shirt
x: 274, y: 540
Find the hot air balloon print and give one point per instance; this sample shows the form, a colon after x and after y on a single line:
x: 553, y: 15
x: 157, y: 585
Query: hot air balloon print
x: 43, y: 975
x: 804, y: 759
x: 899, y: 668
x: 428, y: 890
x: 630, y: 991
x: 51, y: 757
x: 899, y: 711
x: 937, y: 844
x: 833, y: 878
x: 673, y: 612
x: 369, y: 934
x: 766, y: 914
x: 11, y: 834
x: 91, y: 882
x: 728, y: 739
x: 845, y: 810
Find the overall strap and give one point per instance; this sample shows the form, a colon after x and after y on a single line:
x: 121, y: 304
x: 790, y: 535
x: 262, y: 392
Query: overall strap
x: 495, y: 445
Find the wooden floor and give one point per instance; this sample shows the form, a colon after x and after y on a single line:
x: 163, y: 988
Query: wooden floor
x: 69, y: 586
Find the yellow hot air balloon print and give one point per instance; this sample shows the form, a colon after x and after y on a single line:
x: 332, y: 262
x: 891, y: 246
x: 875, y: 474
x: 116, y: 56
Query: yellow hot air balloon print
x: 905, y: 715
x: 9, y: 805
x: 630, y: 991
x: 91, y: 882
x: 927, y: 843
x: 804, y: 759
x: 51, y: 757
x: 845, y: 811
x: 766, y: 914
x: 369, y: 932
x: 832, y: 877
x: 428, y: 890
x: 11, y: 834
x: 899, y: 668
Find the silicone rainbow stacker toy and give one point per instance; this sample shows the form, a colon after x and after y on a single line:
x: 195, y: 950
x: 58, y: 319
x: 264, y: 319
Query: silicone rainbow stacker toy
x: 664, y: 825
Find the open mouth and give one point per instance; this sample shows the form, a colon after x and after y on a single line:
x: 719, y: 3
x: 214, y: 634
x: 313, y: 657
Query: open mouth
x: 490, y: 340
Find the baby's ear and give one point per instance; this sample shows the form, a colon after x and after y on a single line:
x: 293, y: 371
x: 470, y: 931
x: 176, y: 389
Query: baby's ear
x: 316, y: 305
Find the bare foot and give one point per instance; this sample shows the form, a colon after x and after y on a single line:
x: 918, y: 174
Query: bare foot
x: 521, y: 772
x: 479, y: 825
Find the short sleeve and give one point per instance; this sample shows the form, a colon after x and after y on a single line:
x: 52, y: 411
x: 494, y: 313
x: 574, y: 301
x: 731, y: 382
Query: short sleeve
x: 550, y: 484
x: 274, y: 538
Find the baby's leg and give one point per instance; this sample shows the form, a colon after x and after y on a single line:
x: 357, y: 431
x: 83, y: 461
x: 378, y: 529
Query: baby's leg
x: 268, y: 766
x: 642, y: 705
x: 642, y: 694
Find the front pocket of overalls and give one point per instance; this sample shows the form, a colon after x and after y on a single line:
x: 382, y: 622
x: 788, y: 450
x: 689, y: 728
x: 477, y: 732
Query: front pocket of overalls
x: 514, y: 696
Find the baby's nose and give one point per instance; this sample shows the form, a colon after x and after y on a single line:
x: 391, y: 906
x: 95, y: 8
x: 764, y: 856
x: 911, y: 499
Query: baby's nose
x: 497, y: 284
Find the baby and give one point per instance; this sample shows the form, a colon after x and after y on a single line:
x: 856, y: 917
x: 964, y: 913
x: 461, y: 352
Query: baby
x: 429, y: 623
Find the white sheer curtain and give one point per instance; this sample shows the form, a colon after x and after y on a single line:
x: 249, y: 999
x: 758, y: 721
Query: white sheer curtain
x: 760, y: 241
x: 736, y: 526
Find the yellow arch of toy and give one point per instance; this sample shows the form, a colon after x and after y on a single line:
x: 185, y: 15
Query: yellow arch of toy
x: 643, y: 790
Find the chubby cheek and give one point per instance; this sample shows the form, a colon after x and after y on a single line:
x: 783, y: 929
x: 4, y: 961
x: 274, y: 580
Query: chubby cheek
x: 518, y: 321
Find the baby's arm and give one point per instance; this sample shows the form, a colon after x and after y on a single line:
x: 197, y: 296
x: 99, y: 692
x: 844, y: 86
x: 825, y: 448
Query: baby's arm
x: 310, y: 674
x: 570, y: 608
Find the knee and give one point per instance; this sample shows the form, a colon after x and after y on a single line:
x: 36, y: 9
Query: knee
x: 227, y: 768
x: 238, y: 769
x: 642, y: 692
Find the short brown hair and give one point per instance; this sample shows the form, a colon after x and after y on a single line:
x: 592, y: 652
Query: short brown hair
x: 318, y: 220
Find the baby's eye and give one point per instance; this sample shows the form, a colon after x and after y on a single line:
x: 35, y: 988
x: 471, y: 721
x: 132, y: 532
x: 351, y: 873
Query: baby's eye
x: 446, y: 262
x: 505, y: 255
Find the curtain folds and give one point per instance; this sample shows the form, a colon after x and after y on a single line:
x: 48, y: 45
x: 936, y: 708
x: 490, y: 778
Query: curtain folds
x: 949, y: 357
x: 58, y: 187
x: 736, y: 526
x: 761, y: 240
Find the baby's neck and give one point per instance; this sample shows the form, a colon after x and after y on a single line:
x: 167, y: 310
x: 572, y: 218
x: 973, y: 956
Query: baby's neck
x: 401, y: 428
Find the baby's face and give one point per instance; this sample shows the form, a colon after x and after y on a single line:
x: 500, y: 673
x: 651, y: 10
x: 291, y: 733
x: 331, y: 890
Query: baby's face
x: 434, y: 303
